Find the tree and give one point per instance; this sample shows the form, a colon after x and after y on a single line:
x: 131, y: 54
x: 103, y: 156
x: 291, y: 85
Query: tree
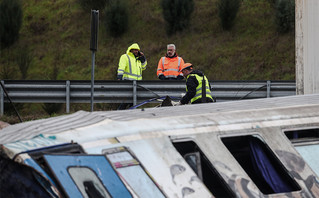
x: 177, y: 14
x: 93, y: 4
x: 24, y: 59
x: 285, y: 15
x: 116, y: 18
x: 10, y: 22
x: 227, y: 11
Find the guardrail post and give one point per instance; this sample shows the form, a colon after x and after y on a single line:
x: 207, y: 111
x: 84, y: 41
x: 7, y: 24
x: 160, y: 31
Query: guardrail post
x: 67, y: 95
x: 268, y: 88
x: 134, y: 92
x: 1, y: 99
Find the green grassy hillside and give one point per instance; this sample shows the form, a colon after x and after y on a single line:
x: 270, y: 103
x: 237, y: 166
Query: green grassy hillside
x: 57, y: 32
x: 57, y: 35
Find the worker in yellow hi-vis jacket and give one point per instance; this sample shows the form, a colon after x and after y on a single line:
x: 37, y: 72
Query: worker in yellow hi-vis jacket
x: 131, y: 64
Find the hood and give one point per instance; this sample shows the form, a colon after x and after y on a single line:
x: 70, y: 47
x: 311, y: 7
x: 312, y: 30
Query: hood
x: 133, y: 46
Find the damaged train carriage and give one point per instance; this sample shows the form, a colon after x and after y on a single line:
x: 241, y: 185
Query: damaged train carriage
x: 252, y: 148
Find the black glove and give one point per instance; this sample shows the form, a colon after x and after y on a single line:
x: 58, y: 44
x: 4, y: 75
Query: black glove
x: 142, y: 59
x: 119, y: 77
x: 161, y: 77
x: 180, y: 77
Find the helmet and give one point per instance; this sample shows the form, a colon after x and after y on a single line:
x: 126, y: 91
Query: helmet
x: 186, y: 65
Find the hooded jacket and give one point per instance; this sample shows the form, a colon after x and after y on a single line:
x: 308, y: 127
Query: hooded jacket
x: 131, y: 67
x: 194, y: 88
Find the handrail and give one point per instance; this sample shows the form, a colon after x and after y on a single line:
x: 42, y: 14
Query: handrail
x: 79, y: 91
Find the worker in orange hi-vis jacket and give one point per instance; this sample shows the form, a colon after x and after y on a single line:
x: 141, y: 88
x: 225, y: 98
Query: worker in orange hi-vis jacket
x: 169, y: 66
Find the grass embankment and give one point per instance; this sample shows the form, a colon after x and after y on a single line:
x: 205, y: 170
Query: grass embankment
x: 58, y: 32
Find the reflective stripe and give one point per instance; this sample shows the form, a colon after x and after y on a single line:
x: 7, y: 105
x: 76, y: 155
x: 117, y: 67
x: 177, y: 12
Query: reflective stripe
x: 171, y: 76
x: 133, y: 74
x: 129, y: 63
x: 128, y: 78
x: 200, y: 94
x: 171, y: 70
x: 120, y: 71
x: 199, y: 89
x: 163, y: 60
x: 143, y: 63
x: 159, y: 70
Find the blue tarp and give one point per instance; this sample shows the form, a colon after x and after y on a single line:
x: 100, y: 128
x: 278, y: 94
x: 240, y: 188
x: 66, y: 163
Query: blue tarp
x: 262, y: 164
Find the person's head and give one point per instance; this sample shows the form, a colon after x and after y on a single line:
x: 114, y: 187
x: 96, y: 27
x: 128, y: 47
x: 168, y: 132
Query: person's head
x: 171, y: 49
x: 134, y: 48
x: 135, y: 51
x: 186, y: 69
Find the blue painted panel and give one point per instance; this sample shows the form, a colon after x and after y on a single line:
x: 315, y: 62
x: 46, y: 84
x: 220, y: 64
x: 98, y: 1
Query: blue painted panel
x: 33, y: 164
x: 98, y: 163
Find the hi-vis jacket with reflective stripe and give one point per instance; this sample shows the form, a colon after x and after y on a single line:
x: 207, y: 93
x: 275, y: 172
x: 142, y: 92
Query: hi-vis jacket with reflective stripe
x: 169, y: 67
x: 194, y: 88
x: 130, y: 66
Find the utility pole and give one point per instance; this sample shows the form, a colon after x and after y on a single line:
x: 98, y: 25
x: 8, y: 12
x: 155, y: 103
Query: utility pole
x: 93, y: 48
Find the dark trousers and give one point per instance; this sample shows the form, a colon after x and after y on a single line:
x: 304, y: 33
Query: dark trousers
x: 208, y: 100
x: 123, y: 106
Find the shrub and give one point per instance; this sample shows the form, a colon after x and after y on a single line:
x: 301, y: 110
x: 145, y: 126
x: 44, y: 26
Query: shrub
x: 10, y: 22
x: 12, y: 109
x: 285, y: 15
x: 227, y: 11
x: 93, y: 4
x: 7, y: 71
x: 116, y: 18
x: 272, y: 2
x: 24, y: 59
x: 58, y: 59
x: 177, y: 14
x: 52, y: 108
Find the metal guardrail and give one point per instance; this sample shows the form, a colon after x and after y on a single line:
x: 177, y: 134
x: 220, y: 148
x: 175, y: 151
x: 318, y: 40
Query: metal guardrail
x: 42, y: 91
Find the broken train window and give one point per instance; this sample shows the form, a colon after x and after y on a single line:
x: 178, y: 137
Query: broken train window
x: 87, y: 176
x: 88, y: 182
x: 306, y: 142
x: 128, y: 167
x: 261, y: 164
x: 196, y: 159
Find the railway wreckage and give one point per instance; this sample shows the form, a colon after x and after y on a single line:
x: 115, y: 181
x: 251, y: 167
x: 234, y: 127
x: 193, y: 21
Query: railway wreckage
x: 250, y: 148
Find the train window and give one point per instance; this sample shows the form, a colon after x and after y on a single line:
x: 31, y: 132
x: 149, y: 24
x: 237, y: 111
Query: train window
x: 203, y: 168
x: 88, y: 183
x: 133, y: 172
x: 193, y: 159
x: 306, y: 142
x: 260, y: 163
x: 86, y: 176
x: 303, y: 136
